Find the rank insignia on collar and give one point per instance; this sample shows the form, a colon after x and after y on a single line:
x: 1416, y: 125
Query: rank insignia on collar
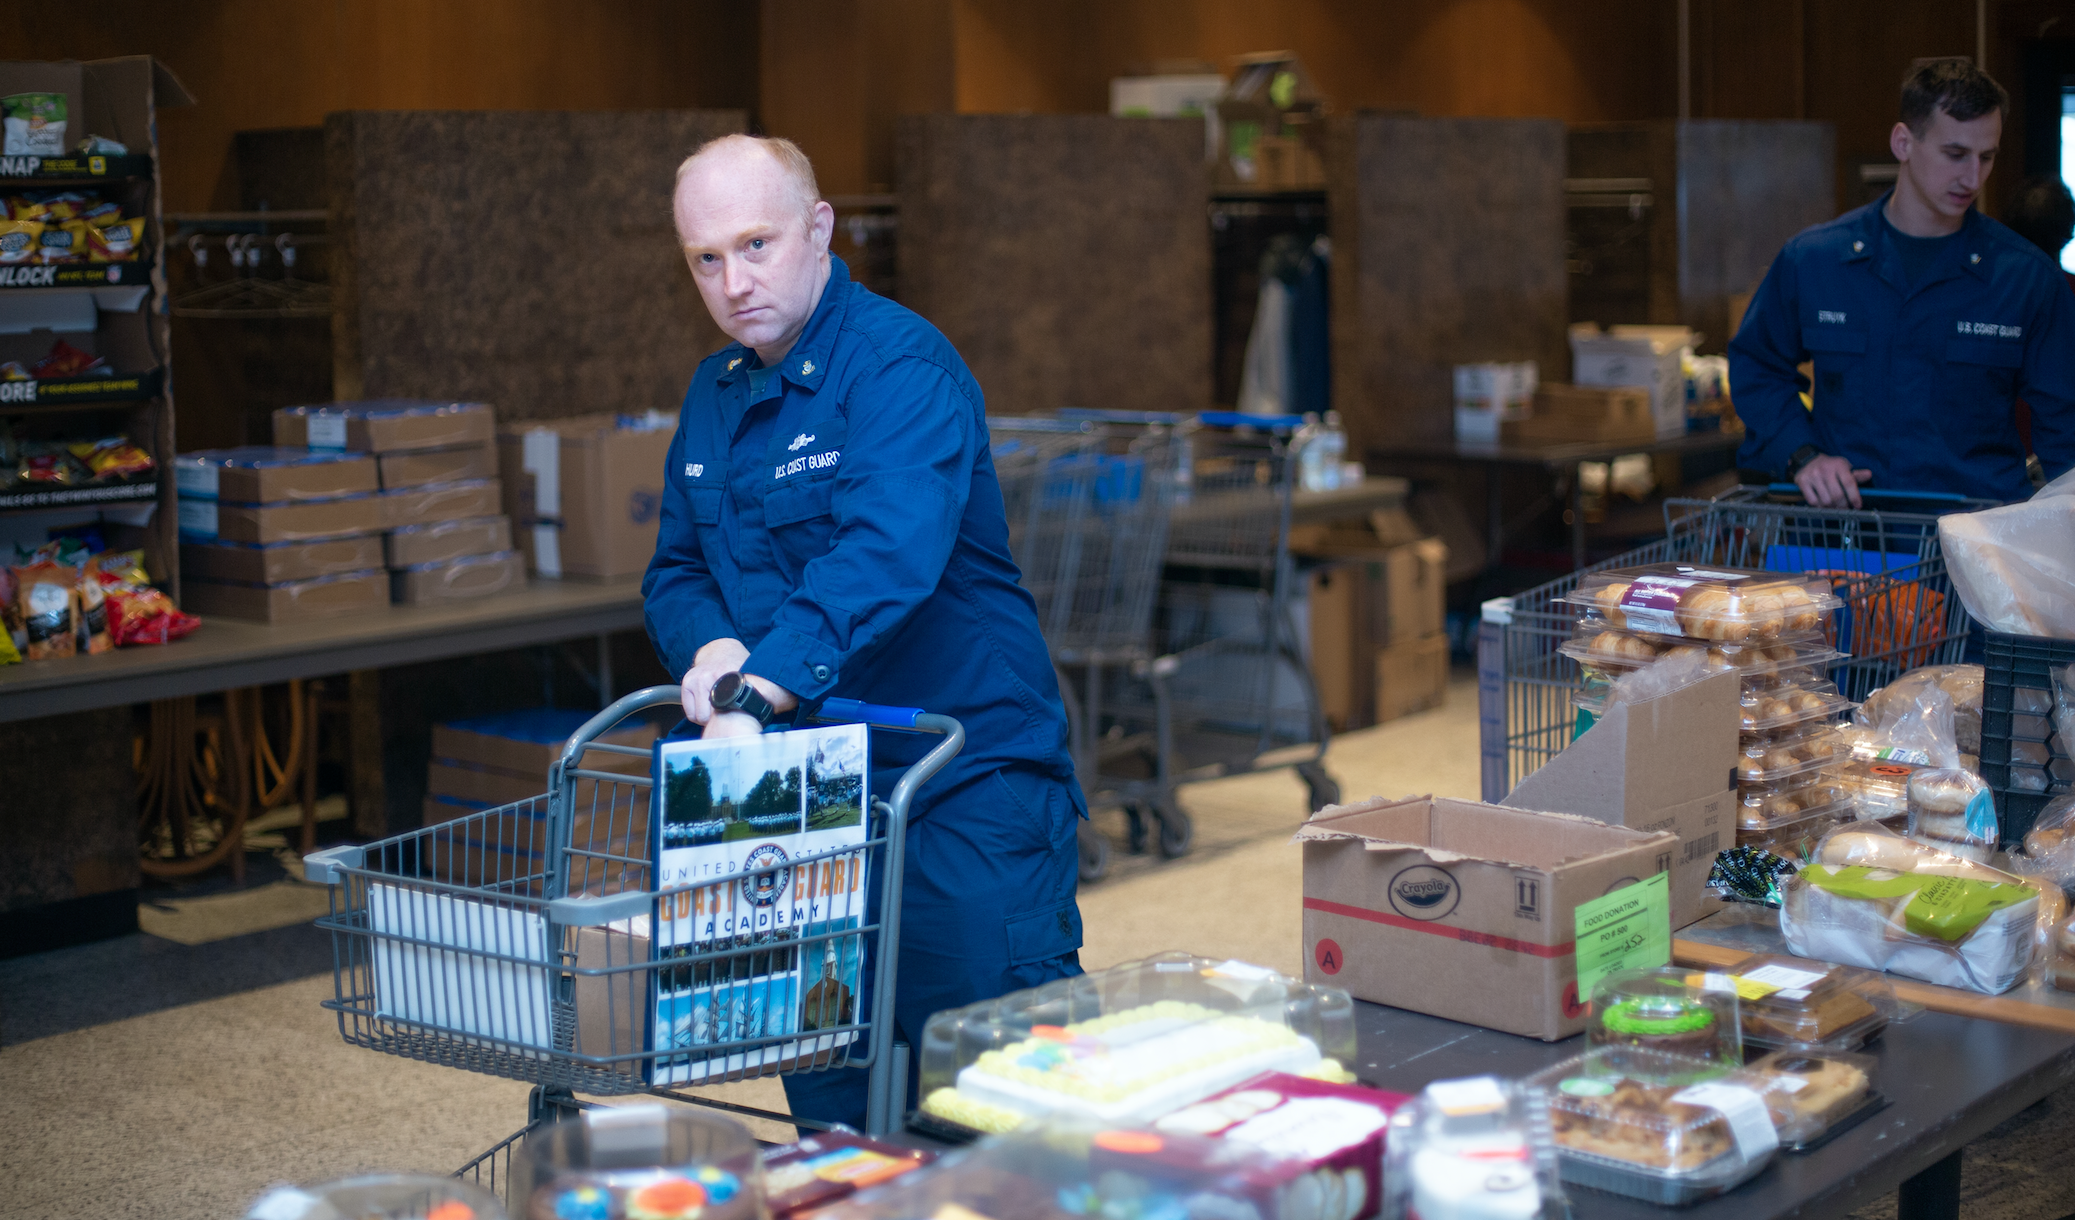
x: 806, y: 368
x: 732, y: 363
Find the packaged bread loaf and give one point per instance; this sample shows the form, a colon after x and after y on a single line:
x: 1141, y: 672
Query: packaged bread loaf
x: 1726, y: 605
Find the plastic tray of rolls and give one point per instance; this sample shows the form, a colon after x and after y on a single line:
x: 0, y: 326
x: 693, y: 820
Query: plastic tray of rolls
x: 1788, y: 753
x: 1795, y: 838
x: 1762, y: 805
x: 1785, y: 706
x: 1593, y: 642
x: 1729, y: 605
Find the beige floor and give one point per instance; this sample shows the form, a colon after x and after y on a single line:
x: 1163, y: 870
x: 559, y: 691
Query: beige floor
x: 190, y: 1112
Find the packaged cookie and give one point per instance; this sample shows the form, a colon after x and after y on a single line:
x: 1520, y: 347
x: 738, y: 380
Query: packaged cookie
x: 630, y: 1162
x: 1782, y: 707
x: 1786, y: 754
x: 1953, y: 811
x: 1663, y: 1012
x: 1789, y: 1001
x: 1727, y: 605
x: 1619, y: 1127
x: 1474, y: 1149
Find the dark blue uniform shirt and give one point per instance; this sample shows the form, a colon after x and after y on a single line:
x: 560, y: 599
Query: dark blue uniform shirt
x: 1914, y: 381
x: 849, y: 530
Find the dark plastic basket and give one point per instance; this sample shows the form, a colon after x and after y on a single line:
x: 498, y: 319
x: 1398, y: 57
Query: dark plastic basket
x: 2013, y: 662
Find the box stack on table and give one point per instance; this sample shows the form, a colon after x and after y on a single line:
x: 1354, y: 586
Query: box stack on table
x: 587, y: 492
x: 1651, y: 358
x: 1492, y: 399
x: 280, y: 535
x: 440, y: 507
x: 1766, y: 628
x: 492, y: 761
x: 1378, y: 615
x: 1567, y: 413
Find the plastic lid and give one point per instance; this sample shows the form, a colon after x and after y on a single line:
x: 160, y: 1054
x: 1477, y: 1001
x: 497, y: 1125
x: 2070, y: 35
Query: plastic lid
x: 1791, y: 754
x: 1786, y: 1000
x: 1808, y: 1090
x: 1766, y: 805
x: 1660, y: 1010
x: 1784, y: 706
x: 1476, y: 1147
x: 1638, y: 1110
x: 1721, y: 604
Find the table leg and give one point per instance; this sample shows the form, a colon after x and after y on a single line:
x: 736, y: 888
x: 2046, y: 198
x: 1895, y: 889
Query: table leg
x: 1577, y: 501
x: 1933, y: 1194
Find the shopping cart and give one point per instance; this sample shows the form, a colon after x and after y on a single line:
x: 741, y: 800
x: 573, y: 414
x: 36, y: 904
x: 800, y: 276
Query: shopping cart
x: 1089, y: 495
x: 514, y: 942
x: 1899, y: 610
x: 1231, y: 691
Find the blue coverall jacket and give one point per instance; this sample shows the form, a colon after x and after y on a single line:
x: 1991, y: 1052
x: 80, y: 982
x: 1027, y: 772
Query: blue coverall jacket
x: 1913, y: 382
x: 848, y: 528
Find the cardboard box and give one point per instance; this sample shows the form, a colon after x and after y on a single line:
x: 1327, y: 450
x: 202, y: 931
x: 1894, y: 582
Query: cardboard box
x: 387, y: 425
x: 457, y: 579
x: 1461, y: 909
x: 600, y: 484
x: 1411, y: 676
x: 1586, y: 413
x: 264, y: 474
x: 1367, y: 601
x: 1271, y: 118
x: 513, y: 843
x: 277, y: 563
x: 1666, y: 763
x: 441, y: 502
x: 298, y: 601
x: 528, y: 742
x: 423, y: 467
x: 438, y: 541
x: 301, y: 521
x: 1644, y: 356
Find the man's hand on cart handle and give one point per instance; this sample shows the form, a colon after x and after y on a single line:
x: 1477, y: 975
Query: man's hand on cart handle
x: 725, y: 656
x: 1831, y: 482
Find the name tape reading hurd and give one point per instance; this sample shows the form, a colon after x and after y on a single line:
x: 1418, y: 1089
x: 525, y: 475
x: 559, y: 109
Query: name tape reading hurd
x: 1433, y: 929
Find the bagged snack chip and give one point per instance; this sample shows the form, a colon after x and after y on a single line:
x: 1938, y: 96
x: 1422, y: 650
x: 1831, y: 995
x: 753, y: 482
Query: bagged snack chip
x: 93, y: 615
x: 19, y: 241
x: 65, y: 205
x: 114, y: 242
x: 63, y: 242
x: 114, y: 458
x: 44, y: 592
x: 35, y: 124
x: 102, y: 214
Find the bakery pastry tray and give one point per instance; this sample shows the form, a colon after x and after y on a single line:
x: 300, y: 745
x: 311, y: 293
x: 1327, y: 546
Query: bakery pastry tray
x: 1806, y: 1109
x: 1873, y: 1103
x: 1729, y: 605
x: 1664, y: 1187
x: 1769, y: 811
x: 1772, y: 758
x: 1594, y: 642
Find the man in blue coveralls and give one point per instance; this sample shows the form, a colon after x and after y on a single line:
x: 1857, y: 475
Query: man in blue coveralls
x: 833, y: 527
x: 1925, y: 319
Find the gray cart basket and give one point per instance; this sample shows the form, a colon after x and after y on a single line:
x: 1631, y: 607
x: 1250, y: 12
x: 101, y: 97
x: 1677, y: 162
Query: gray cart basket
x: 513, y: 942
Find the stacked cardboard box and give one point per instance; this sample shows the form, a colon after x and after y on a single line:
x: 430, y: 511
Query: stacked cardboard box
x: 1585, y: 413
x: 1378, y: 613
x: 500, y: 763
x: 1651, y: 358
x: 447, y: 538
x: 586, y: 493
x: 280, y: 534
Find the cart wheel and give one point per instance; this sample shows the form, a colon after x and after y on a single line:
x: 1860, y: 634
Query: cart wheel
x: 1095, y: 852
x: 1177, y: 832
x: 1322, y: 788
x: 1135, y: 829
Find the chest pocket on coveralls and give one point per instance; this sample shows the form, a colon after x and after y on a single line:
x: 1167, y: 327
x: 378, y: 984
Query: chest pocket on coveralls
x: 1836, y: 350
x: 798, y: 509
x: 1983, y: 372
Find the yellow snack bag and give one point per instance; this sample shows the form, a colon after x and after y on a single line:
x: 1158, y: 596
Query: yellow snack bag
x: 114, y: 243
x: 22, y: 207
x: 64, y: 242
x: 19, y: 241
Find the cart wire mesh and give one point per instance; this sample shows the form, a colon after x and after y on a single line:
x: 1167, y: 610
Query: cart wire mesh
x: 1899, y: 612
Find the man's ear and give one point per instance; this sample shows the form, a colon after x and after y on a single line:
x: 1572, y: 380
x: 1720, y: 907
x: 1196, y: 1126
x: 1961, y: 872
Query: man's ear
x: 1900, y: 141
x: 823, y: 226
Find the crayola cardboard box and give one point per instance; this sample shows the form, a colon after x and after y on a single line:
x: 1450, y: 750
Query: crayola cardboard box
x: 1461, y: 909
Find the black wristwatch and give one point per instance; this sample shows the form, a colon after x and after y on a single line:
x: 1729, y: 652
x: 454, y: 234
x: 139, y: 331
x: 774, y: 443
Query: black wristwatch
x: 734, y: 693
x: 1802, y: 457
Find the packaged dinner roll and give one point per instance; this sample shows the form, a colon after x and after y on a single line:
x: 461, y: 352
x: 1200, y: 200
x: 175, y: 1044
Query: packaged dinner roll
x: 1729, y: 605
x: 1960, y: 683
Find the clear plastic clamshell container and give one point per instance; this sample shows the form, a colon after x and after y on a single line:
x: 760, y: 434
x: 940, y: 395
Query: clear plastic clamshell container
x: 1813, y: 1094
x: 1475, y: 1149
x: 1664, y: 1011
x: 1796, y: 839
x: 1594, y: 643
x: 832, y: 1165
x: 1790, y: 1001
x: 1065, y: 1167
x: 1126, y: 1045
x: 381, y: 1196
x: 1882, y: 788
x: 1761, y: 806
x: 1728, y: 605
x: 1620, y: 1127
x: 640, y: 1161
x: 1783, y: 706
x: 1770, y: 758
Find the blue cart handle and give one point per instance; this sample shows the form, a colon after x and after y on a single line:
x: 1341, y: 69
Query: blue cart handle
x: 854, y: 711
x: 1878, y: 493
x: 1266, y: 423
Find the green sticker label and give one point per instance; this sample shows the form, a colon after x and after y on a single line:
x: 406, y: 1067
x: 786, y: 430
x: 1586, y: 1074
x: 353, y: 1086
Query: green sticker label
x: 1586, y: 1086
x: 1627, y: 929
x: 1945, y: 908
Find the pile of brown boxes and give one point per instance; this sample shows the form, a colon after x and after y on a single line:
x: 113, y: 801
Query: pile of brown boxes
x: 586, y: 492
x: 440, y: 504
x: 495, y: 762
x: 1584, y: 413
x: 1378, y: 614
x: 280, y: 535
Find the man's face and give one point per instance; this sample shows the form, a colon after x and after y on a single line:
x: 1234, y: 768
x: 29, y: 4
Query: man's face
x: 757, y: 257
x: 1950, y: 161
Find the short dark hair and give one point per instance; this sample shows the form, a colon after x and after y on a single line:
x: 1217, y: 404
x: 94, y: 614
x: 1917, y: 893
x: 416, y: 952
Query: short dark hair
x: 2043, y: 213
x: 1953, y: 85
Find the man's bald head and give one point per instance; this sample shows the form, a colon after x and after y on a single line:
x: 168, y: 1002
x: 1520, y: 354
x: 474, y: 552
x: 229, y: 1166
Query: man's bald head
x: 755, y: 233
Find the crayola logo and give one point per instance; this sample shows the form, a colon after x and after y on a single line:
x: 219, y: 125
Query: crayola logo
x: 1424, y: 892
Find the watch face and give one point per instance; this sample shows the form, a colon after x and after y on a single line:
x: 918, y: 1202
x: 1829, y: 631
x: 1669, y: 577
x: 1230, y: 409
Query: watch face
x: 728, y: 690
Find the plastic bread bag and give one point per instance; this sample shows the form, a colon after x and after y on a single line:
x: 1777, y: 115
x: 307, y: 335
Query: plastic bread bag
x: 2049, y: 846
x: 1916, y: 727
x: 2064, y: 705
x: 1954, y: 811
x: 1878, y: 900
x: 1672, y: 672
x: 1963, y: 683
x: 2014, y: 566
